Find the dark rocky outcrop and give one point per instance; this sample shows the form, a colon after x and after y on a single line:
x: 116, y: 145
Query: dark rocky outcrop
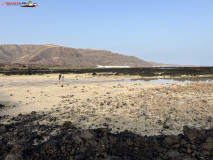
x: 2, y: 106
x: 20, y: 69
x: 26, y: 138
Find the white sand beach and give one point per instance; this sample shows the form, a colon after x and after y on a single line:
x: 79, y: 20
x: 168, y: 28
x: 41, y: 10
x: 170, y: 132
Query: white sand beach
x: 108, y: 101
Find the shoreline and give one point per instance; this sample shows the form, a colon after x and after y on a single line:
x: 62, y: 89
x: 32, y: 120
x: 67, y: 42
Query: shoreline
x: 143, y: 72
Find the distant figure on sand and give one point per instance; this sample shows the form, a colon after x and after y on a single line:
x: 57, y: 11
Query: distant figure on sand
x: 59, y: 78
x: 62, y: 78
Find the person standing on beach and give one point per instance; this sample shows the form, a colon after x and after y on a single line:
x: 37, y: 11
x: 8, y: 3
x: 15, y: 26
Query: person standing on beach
x: 59, y: 77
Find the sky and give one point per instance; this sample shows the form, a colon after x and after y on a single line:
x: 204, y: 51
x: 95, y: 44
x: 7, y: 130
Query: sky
x: 166, y: 31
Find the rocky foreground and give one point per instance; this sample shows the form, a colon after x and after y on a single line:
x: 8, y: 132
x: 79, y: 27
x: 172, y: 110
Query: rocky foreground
x: 27, y: 138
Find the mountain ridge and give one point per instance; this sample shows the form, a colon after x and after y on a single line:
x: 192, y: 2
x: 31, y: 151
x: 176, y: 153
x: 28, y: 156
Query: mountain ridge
x: 58, y: 55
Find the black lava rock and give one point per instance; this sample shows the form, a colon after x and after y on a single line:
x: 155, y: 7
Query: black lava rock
x: 27, y: 139
x: 1, y: 106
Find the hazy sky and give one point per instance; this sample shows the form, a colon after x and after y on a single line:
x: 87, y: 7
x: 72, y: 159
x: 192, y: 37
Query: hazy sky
x: 167, y: 31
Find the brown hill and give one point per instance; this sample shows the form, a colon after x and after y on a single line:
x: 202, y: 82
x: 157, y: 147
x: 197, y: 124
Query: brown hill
x: 58, y: 55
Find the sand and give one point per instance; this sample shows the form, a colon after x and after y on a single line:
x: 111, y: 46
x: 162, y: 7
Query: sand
x: 107, y: 101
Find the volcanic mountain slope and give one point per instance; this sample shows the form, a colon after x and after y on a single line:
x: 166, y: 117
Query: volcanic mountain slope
x: 58, y: 55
